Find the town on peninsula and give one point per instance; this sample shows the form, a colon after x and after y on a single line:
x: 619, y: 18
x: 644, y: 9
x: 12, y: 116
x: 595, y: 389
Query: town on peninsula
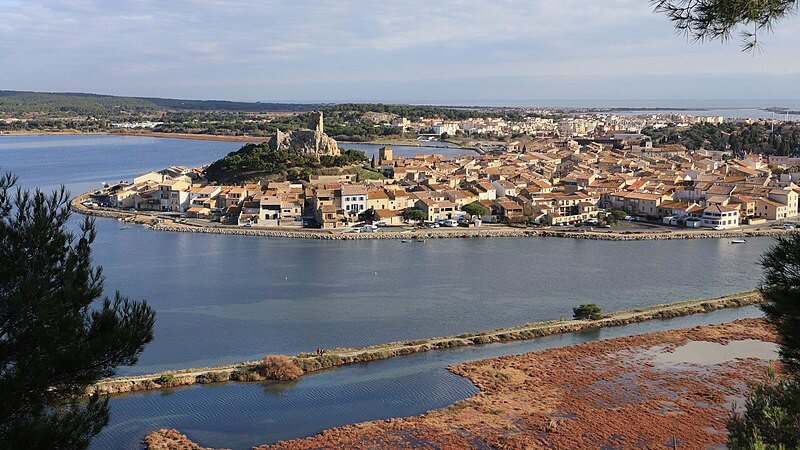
x: 601, y: 174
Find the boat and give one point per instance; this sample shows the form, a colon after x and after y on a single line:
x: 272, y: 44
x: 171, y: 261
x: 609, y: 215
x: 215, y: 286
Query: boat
x: 405, y: 241
x: 125, y: 228
x: 738, y: 241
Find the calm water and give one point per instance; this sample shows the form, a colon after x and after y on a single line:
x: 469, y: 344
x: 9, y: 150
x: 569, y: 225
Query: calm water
x: 239, y: 416
x: 223, y: 299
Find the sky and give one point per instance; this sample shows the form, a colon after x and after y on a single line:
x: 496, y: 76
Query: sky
x: 411, y: 51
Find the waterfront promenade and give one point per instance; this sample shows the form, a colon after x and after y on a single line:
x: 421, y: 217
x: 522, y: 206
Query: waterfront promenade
x: 157, y: 222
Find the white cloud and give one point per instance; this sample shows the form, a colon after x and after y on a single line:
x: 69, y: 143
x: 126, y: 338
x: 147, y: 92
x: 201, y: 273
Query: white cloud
x: 253, y: 49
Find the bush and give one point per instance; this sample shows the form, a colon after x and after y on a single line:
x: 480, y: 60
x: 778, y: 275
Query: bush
x: 770, y: 419
x: 165, y: 378
x: 586, y: 312
x: 281, y: 368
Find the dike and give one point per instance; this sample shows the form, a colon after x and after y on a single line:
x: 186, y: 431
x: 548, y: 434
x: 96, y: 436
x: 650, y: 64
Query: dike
x: 309, y: 363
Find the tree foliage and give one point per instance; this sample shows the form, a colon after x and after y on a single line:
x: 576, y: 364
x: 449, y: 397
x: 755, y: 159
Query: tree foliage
x: 739, y: 138
x: 475, y: 209
x: 588, y: 311
x: 771, y: 419
x: 260, y: 159
x: 56, y: 336
x: 704, y: 20
x: 781, y: 291
x: 414, y: 214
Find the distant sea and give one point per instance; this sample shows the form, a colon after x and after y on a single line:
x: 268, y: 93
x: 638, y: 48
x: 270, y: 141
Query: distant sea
x: 728, y: 108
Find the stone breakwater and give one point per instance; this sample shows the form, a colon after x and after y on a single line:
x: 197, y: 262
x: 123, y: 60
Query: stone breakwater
x: 250, y: 370
x: 473, y: 233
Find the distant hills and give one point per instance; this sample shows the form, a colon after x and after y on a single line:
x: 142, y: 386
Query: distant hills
x: 58, y: 104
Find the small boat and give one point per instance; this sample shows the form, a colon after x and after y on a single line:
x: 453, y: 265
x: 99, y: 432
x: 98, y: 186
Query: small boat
x: 405, y: 241
x: 125, y: 228
x: 738, y: 241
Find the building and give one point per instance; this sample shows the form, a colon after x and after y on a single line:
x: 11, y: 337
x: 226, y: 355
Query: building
x: 720, y: 217
x: 354, y: 199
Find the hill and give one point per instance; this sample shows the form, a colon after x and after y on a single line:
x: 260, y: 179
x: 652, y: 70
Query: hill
x: 61, y: 104
x: 258, y: 161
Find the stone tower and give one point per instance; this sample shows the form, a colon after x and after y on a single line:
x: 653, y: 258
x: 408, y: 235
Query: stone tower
x: 315, y: 122
x: 385, y: 153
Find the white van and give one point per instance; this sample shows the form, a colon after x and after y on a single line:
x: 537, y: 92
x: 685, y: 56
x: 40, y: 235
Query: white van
x: 450, y: 223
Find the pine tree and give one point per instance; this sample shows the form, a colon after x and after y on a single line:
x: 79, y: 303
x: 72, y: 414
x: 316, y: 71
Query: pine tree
x: 56, y: 337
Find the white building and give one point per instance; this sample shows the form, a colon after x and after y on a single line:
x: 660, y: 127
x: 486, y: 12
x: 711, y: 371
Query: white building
x: 354, y: 199
x: 720, y: 217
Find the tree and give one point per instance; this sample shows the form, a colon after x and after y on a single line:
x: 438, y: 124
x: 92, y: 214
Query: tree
x: 56, y: 339
x: 781, y: 291
x: 475, y: 209
x: 770, y: 419
x: 369, y: 216
x: 717, y: 19
x: 587, y: 312
x: 772, y: 411
x: 414, y: 214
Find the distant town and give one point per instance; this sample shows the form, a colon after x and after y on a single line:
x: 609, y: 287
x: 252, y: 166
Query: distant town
x: 602, y: 172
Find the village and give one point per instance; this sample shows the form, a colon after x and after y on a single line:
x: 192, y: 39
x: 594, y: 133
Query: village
x: 596, y: 181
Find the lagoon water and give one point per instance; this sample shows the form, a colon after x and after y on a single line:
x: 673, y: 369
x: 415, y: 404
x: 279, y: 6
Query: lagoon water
x: 223, y: 299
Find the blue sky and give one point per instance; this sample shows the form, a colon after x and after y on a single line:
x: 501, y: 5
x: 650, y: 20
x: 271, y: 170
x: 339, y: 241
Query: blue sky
x: 433, y: 51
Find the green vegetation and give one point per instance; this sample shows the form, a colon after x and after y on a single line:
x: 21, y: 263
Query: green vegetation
x: 475, y: 209
x: 55, y: 339
x: 59, y: 104
x: 587, y: 312
x: 367, y: 174
x: 165, y: 378
x: 260, y: 160
x: 772, y: 415
x: 354, y: 111
x: 414, y: 214
x: 369, y: 216
x: 739, y: 138
x: 717, y: 19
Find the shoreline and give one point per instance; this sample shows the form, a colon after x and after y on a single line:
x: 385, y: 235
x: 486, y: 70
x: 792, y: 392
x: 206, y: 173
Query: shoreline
x: 615, y: 393
x: 213, y: 137
x: 155, y: 223
x: 310, y: 363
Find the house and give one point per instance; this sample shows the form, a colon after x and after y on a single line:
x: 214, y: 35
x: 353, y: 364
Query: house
x: 505, y: 188
x: 720, y: 217
x: 269, y: 211
x: 354, y: 199
x: 438, y: 210
x: 174, y: 195
x: 508, y: 208
x: 770, y: 209
x: 787, y: 197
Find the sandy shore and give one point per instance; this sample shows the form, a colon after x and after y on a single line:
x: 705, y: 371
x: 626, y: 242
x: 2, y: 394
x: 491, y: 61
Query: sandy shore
x: 607, y: 394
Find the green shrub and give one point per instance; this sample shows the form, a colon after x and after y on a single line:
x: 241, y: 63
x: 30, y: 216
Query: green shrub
x: 165, y: 378
x: 587, y: 312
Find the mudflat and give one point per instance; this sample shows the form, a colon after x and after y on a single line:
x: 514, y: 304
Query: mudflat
x: 619, y: 392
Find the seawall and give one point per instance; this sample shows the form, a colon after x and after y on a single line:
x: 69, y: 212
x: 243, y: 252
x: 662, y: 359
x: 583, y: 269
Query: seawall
x: 156, y: 224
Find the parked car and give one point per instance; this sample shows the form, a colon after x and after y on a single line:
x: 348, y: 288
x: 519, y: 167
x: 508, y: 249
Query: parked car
x: 450, y: 223
x: 790, y: 226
